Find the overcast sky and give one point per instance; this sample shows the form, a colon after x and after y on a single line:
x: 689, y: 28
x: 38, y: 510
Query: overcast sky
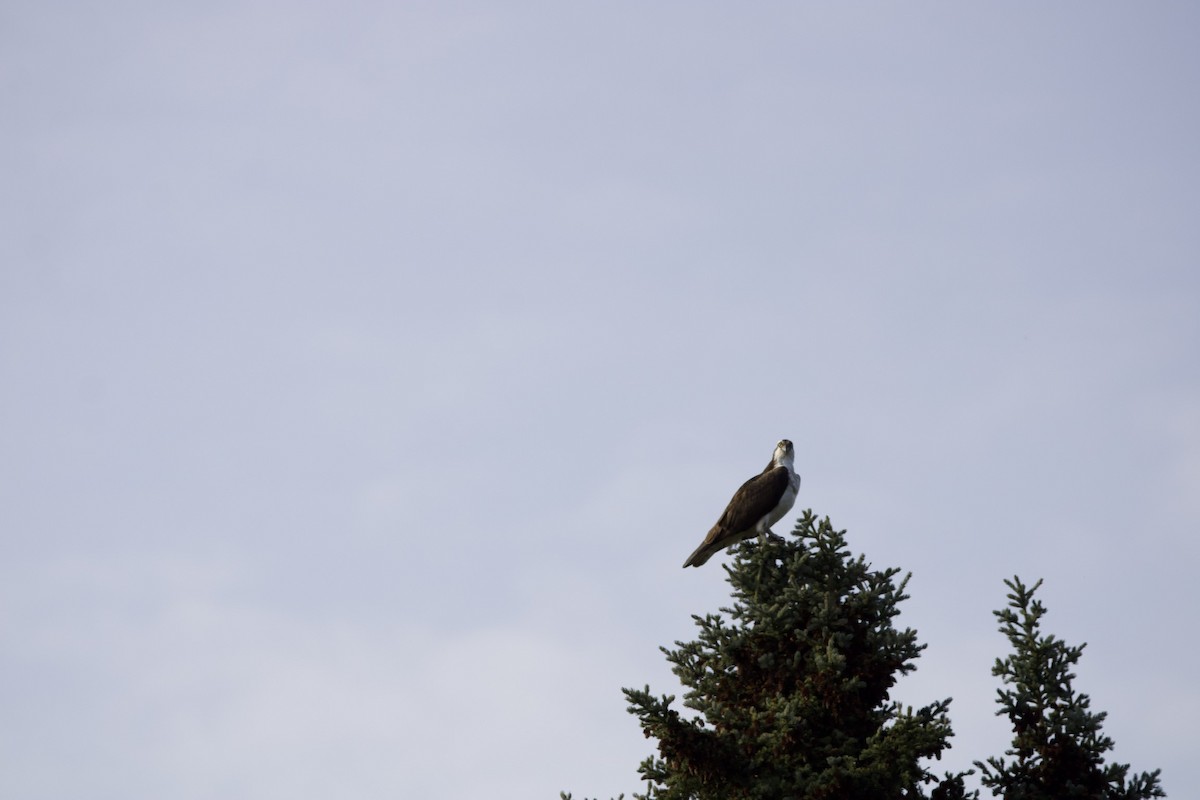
x: 367, y: 370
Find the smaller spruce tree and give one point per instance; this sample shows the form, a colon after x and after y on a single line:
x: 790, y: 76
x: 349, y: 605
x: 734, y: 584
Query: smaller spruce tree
x: 1058, y: 748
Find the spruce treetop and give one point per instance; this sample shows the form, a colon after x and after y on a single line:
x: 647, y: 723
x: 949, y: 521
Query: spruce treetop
x: 1058, y: 747
x: 791, y: 684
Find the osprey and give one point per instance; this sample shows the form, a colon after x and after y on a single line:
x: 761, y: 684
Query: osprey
x: 760, y: 503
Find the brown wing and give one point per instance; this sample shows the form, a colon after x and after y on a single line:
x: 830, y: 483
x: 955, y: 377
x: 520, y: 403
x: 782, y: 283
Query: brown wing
x: 754, y: 500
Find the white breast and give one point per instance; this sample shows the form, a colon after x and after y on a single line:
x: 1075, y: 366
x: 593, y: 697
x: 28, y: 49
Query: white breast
x: 786, y: 501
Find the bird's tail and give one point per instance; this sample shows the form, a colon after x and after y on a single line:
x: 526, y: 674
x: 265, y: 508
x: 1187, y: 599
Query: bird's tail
x: 705, y: 551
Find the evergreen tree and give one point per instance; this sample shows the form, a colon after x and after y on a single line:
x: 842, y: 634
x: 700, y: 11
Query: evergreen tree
x: 1058, y: 748
x: 792, y: 686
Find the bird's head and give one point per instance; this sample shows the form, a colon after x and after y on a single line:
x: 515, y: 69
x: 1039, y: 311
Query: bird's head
x: 784, y: 452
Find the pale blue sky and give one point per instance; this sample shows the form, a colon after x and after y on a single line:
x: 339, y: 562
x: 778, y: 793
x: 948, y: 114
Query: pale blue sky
x: 368, y: 372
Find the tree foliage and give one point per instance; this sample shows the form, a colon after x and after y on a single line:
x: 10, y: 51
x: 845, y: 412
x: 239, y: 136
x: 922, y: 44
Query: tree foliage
x: 791, y: 685
x: 788, y: 694
x: 1058, y: 747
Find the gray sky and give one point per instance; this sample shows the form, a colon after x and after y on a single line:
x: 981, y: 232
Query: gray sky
x: 367, y: 372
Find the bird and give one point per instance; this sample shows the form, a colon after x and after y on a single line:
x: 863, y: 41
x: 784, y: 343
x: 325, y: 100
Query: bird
x: 756, y: 506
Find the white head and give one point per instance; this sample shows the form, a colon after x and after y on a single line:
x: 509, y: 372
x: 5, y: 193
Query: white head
x: 784, y: 453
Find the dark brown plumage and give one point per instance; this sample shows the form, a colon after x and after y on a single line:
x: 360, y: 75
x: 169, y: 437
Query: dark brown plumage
x: 755, y: 507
